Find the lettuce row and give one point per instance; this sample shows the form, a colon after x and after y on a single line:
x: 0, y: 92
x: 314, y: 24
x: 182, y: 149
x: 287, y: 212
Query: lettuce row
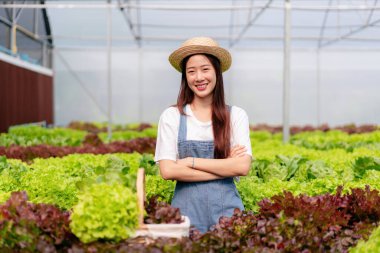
x: 59, y: 180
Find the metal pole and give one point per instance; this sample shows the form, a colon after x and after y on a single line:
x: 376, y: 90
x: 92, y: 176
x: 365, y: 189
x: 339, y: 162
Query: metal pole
x: 35, y: 17
x: 53, y: 68
x: 286, y: 74
x: 140, y: 86
x: 318, y: 88
x: 109, y: 69
x: 44, y: 54
x: 188, y: 7
x: 12, y: 39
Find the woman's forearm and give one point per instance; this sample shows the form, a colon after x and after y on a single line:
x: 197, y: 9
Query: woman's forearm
x: 171, y: 170
x: 228, y: 167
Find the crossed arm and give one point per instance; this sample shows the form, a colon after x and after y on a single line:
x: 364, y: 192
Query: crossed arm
x: 237, y: 164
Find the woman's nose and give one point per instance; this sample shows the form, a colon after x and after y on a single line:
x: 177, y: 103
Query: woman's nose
x: 199, y: 76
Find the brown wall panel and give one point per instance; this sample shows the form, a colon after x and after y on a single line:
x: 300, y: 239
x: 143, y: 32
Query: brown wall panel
x: 25, y: 96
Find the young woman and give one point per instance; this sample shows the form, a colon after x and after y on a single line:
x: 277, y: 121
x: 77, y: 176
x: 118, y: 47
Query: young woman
x: 202, y: 143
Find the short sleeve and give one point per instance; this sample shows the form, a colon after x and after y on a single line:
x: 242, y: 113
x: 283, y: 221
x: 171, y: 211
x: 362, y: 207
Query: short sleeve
x: 167, y: 134
x: 240, y: 129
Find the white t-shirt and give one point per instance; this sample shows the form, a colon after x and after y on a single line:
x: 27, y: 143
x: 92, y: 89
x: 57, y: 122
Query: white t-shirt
x: 168, y: 127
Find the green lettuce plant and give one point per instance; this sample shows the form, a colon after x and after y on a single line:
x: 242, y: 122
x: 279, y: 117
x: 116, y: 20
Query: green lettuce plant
x: 34, y: 135
x: 105, y: 211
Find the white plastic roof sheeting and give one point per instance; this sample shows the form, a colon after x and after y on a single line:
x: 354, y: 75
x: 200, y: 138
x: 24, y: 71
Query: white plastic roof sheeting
x: 242, y: 23
x: 328, y: 85
x: 335, y: 57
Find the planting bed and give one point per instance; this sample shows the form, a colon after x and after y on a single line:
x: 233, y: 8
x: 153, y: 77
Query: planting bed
x: 61, y: 190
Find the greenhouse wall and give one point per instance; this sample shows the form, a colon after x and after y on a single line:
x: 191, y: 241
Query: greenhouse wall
x: 26, y: 93
x: 144, y: 84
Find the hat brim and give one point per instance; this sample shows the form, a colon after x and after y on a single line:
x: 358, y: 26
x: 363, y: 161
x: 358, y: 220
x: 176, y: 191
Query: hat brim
x: 222, y: 54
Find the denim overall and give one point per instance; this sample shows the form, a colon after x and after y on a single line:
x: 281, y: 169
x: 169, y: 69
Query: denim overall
x: 203, y: 202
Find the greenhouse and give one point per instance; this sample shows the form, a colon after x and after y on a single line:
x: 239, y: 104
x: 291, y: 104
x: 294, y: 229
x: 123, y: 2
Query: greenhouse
x: 190, y: 126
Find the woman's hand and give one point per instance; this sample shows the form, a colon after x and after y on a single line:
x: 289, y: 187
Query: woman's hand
x: 188, y: 162
x: 237, y: 151
x: 179, y: 170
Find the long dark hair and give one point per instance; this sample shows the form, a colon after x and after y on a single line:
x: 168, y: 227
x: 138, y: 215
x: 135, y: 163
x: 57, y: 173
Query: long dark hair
x: 220, y: 114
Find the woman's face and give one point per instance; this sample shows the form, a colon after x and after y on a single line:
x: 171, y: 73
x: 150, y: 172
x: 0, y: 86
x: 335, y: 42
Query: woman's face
x: 200, y: 75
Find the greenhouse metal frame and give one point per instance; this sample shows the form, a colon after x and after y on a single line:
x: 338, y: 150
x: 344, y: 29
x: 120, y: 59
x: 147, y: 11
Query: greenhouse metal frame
x: 255, y: 10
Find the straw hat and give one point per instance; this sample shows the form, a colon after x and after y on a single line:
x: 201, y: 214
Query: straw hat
x: 200, y: 45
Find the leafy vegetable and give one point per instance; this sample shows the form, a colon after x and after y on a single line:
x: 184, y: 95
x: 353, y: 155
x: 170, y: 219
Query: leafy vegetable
x: 161, y: 212
x: 283, y: 168
x: 91, y: 145
x: 363, y: 164
x: 372, y: 245
x: 157, y: 186
x: 28, y: 227
x: 147, y: 162
x: 34, y: 135
x: 105, y: 211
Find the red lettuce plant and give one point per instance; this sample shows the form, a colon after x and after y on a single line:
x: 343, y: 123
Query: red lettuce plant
x: 93, y: 146
x: 29, y: 227
x: 161, y: 212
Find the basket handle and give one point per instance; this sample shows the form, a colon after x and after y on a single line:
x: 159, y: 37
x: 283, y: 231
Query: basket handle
x: 140, y: 187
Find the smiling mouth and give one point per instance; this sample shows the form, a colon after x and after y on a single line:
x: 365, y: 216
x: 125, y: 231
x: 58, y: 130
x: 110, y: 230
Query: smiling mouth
x: 201, y: 87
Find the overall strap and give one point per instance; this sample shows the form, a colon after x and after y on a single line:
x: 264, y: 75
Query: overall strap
x: 182, y: 133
